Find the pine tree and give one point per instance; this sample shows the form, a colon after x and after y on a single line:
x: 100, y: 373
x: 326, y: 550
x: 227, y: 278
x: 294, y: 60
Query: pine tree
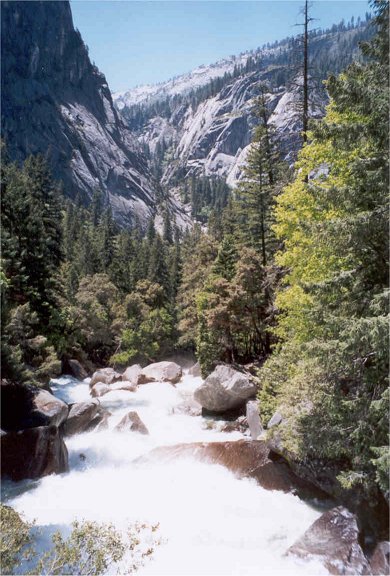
x: 106, y: 232
x: 255, y: 196
x: 198, y: 252
x: 158, y: 271
x: 167, y: 231
x: 225, y: 263
x: 32, y: 235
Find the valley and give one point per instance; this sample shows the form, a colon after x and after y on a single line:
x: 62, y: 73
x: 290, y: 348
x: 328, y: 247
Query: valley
x: 194, y: 286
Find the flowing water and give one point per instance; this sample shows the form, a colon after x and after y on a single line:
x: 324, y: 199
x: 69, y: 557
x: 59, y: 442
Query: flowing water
x: 211, y: 523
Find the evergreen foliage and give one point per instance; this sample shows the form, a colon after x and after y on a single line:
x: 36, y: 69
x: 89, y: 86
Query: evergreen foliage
x: 330, y: 372
x: 31, y: 255
x: 262, y: 181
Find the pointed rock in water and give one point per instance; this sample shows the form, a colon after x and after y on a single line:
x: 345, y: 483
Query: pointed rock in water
x: 134, y: 375
x: 103, y: 424
x: 253, y: 419
x: 132, y: 422
x: 225, y: 389
x: 33, y: 453
x: 333, y: 540
x: 163, y: 372
x: 102, y: 416
x: 99, y: 389
x: 80, y: 417
x: 105, y: 376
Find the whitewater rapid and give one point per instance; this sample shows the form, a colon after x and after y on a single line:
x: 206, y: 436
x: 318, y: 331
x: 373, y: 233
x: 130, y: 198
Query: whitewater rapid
x: 210, y: 522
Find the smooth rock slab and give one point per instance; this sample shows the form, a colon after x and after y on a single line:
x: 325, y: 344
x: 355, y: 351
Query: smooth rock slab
x: 224, y: 389
x: 33, y: 453
x: 242, y: 457
x: 132, y: 422
x: 80, y: 417
x: 333, y: 541
x: 245, y: 458
x: 163, y: 372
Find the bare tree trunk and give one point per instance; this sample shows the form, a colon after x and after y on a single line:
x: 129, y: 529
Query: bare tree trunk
x: 305, y: 117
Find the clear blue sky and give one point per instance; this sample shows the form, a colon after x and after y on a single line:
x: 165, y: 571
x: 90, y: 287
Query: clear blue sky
x: 143, y: 42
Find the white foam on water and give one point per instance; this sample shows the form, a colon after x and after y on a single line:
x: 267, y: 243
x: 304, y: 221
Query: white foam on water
x: 211, y: 522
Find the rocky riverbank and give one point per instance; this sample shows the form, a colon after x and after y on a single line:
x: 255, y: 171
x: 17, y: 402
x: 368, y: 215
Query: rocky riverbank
x: 37, y: 425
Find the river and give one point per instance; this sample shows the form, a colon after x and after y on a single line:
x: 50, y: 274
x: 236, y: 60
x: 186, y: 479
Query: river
x: 210, y: 522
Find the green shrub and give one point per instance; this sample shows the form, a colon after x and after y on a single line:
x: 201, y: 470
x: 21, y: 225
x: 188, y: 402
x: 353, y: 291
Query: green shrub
x: 89, y: 550
x: 15, y: 539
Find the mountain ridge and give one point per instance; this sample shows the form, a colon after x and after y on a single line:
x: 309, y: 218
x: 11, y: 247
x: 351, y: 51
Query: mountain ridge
x: 206, y: 129
x: 181, y: 83
x: 55, y: 102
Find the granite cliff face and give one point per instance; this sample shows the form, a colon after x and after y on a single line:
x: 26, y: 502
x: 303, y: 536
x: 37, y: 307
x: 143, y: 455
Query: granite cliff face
x: 208, y: 133
x: 55, y: 102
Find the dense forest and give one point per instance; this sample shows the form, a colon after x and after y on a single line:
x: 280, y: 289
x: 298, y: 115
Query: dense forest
x: 291, y: 274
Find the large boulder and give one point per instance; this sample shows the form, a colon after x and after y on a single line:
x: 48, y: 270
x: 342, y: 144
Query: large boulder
x: 134, y: 374
x: 163, y: 372
x: 33, y: 453
x: 31, y: 443
x: 80, y: 417
x: 104, y: 375
x: 253, y: 419
x: 76, y: 369
x: 132, y: 422
x: 26, y: 406
x: 49, y: 410
x: 333, y: 541
x: 380, y: 560
x: 225, y: 389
